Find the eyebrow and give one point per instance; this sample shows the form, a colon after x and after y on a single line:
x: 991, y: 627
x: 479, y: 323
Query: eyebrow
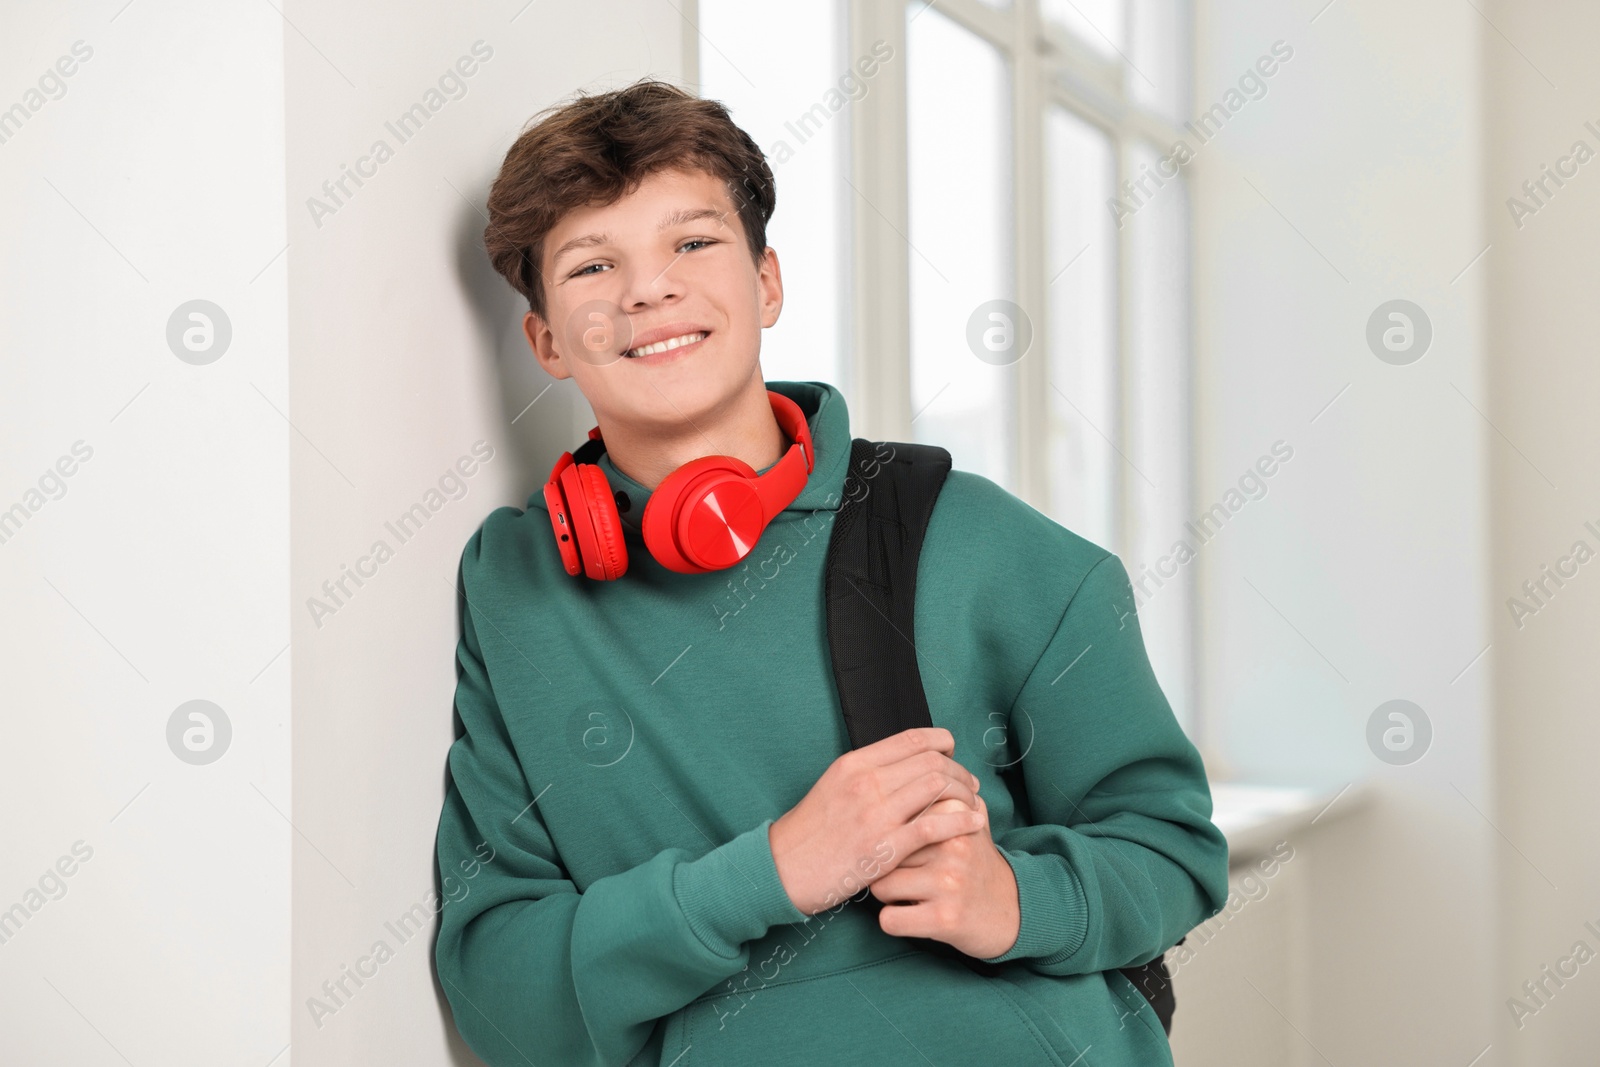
x: 677, y: 217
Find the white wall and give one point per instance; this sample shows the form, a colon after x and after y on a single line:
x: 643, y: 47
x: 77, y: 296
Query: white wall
x: 406, y: 350
x: 1360, y: 577
x: 150, y: 177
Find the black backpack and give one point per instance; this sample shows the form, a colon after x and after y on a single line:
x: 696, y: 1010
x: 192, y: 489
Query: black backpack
x: 869, y: 590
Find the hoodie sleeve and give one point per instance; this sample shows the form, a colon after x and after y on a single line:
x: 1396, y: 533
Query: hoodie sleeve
x: 536, y: 971
x: 1121, y: 858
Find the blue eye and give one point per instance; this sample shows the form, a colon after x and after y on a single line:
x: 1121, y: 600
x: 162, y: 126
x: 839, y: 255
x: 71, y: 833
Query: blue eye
x: 584, y: 270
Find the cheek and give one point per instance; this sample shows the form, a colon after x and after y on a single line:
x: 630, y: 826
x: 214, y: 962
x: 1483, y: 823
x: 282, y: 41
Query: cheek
x: 591, y: 331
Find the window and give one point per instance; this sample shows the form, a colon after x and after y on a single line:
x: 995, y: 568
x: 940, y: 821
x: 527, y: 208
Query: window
x: 794, y: 102
x: 982, y: 229
x: 1079, y: 440
x: 1157, y: 439
x: 958, y: 135
x: 1100, y: 24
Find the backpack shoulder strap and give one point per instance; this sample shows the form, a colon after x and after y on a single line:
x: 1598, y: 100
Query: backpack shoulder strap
x: 870, y: 587
x: 870, y: 584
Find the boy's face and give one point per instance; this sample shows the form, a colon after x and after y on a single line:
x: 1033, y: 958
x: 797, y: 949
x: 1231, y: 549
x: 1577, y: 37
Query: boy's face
x: 672, y: 254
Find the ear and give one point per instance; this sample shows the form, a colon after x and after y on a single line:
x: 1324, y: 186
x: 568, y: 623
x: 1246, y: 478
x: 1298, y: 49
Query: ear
x: 542, y: 342
x: 769, y: 286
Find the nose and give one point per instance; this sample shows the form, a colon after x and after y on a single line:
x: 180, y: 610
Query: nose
x: 652, y: 282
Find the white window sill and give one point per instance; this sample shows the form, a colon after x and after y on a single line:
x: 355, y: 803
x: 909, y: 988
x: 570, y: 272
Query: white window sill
x: 1256, y: 817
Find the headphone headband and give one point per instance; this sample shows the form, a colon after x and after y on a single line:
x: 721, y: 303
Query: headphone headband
x: 706, y: 515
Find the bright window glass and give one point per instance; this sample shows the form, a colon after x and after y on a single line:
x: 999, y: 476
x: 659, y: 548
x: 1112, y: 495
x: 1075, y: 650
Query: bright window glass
x: 1081, y: 297
x: 1160, y: 427
x: 1100, y: 24
x: 1159, y: 54
x: 794, y: 102
x: 959, y: 154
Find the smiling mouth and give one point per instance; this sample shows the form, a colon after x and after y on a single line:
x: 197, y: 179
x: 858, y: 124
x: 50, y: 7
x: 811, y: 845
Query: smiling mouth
x: 666, y: 346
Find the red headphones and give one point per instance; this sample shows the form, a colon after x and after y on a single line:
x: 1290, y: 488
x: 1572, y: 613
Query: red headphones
x: 705, y: 516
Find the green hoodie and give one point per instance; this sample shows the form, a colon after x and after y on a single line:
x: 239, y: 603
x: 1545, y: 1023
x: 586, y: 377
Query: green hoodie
x: 611, y: 896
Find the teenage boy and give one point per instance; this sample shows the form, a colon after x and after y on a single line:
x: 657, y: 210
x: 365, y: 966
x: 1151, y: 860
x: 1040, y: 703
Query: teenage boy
x: 653, y: 805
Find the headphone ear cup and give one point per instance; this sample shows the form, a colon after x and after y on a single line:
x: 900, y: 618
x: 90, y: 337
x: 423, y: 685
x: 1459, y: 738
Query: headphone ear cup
x: 555, y: 502
x: 604, y: 550
x: 664, y: 513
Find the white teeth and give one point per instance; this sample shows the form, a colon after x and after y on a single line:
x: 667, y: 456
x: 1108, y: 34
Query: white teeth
x: 667, y: 345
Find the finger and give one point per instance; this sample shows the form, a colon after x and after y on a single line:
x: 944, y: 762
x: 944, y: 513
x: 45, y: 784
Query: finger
x: 916, y: 799
x: 894, y: 776
x: 921, y: 857
x: 931, y: 829
x: 953, y: 804
x: 929, y: 853
x: 908, y: 920
x: 896, y: 747
x: 903, y: 887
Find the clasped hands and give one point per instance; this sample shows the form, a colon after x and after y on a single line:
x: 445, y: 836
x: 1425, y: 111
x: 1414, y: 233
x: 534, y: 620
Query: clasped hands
x: 903, y: 817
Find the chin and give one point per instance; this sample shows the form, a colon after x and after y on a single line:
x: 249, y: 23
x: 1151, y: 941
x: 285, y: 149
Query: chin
x: 705, y: 388
x: 702, y: 383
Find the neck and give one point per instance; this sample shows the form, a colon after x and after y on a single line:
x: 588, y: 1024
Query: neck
x: 745, y: 429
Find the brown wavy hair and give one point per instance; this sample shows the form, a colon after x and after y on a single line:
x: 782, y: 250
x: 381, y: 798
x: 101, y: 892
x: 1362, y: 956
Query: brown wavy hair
x: 596, y: 149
